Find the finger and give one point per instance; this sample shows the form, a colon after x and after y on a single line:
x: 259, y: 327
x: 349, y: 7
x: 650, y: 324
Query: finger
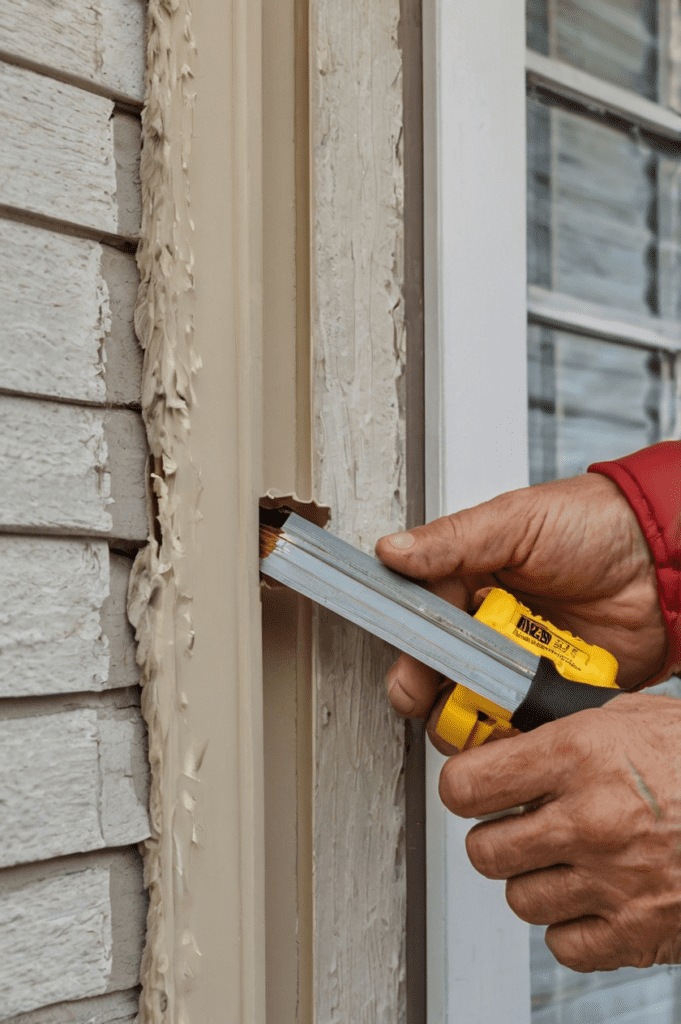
x: 412, y: 687
x: 522, y: 843
x: 523, y: 769
x: 479, y: 539
x: 589, y: 944
x: 551, y: 896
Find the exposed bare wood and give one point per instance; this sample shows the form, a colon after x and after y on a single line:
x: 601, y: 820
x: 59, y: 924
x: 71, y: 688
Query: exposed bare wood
x: 59, y: 475
x: 71, y: 782
x: 57, y: 155
x: 102, y: 40
x: 359, y: 445
x: 113, y: 1008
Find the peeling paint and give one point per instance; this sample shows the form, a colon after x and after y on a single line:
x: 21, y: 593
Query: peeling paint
x: 359, y: 449
x: 160, y: 594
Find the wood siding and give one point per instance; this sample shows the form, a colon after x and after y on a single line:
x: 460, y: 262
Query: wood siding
x: 73, y: 763
x: 358, y: 338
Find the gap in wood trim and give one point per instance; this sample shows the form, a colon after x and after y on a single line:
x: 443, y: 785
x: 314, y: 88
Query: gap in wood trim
x: 410, y: 39
x: 123, y: 102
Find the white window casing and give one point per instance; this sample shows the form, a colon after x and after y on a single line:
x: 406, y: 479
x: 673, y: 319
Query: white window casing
x: 476, y: 423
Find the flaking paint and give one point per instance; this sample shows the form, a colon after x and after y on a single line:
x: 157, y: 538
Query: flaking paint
x: 160, y: 592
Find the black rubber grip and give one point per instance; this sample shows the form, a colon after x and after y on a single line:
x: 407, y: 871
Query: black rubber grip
x: 551, y: 696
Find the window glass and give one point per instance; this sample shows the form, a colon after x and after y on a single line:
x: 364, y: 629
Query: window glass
x: 627, y: 996
x: 592, y: 400
x: 603, y: 213
x: 613, y: 39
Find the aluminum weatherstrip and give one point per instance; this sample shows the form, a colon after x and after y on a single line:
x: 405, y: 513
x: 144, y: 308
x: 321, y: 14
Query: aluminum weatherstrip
x: 364, y: 591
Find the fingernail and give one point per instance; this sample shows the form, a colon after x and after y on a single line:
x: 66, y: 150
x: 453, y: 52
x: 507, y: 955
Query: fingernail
x: 400, y: 700
x: 402, y: 540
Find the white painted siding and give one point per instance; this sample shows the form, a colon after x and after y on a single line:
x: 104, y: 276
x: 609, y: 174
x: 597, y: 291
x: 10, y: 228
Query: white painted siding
x: 50, y: 630
x: 102, y: 40
x: 54, y: 314
x: 57, y: 155
x: 73, y: 762
x: 68, y: 784
x: 55, y: 940
x: 58, y: 472
x: 112, y: 1008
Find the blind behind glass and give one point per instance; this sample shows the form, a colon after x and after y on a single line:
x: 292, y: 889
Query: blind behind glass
x: 604, y: 213
x: 592, y: 400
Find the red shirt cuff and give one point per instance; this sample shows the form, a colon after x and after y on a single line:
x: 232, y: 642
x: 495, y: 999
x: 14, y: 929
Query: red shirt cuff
x: 651, y: 482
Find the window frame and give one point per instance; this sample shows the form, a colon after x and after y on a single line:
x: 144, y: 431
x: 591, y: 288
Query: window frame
x: 477, y: 71
x: 476, y: 424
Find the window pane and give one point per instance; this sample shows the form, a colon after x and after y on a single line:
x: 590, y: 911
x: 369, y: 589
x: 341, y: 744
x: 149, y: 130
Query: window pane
x: 604, y: 213
x: 562, y: 996
x: 592, y: 400
x: 613, y: 39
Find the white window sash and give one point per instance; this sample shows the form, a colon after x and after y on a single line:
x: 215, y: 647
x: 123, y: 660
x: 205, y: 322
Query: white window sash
x: 476, y: 423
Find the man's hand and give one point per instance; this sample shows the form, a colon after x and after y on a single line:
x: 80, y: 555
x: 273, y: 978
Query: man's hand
x: 599, y: 859
x: 571, y: 550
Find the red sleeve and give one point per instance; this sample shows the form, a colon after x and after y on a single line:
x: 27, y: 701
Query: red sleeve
x: 651, y: 482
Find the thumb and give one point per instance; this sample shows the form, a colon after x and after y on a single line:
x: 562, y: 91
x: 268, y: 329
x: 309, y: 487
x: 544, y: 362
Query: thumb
x: 484, y: 538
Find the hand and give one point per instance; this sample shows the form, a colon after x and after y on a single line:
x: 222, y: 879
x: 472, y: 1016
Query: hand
x: 571, y: 550
x: 599, y: 859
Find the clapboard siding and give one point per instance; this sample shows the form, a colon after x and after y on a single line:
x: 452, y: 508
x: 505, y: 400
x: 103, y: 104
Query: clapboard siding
x: 71, y: 468
x: 102, y: 40
x: 71, y: 782
x: 66, y: 317
x: 57, y: 156
x: 113, y: 1008
x: 73, y: 759
x: 62, y: 926
x: 71, y: 929
x: 63, y: 623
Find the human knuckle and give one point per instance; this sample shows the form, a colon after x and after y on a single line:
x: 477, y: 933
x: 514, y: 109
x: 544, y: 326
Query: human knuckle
x: 458, y: 788
x: 485, y: 853
x: 520, y: 900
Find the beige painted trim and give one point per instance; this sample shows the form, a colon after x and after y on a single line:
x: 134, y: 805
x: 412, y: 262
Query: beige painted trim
x: 287, y: 465
x: 194, y: 594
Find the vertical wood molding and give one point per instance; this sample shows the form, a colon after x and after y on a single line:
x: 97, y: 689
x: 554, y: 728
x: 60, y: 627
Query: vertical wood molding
x: 286, y: 466
x: 358, y: 360
x: 194, y: 595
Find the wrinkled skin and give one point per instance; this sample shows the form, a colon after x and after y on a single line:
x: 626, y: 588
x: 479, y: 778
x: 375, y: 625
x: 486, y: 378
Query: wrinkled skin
x: 598, y: 858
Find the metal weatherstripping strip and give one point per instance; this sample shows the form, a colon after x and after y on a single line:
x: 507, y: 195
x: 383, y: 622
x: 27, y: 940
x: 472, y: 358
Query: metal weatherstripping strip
x: 361, y: 589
